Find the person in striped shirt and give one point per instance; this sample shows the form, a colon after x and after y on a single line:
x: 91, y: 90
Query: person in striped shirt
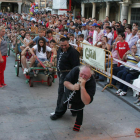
x: 126, y: 73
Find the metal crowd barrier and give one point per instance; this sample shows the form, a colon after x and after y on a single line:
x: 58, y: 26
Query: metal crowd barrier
x: 108, y: 72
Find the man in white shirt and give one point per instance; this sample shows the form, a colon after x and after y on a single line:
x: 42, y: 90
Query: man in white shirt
x: 72, y: 41
x: 95, y: 33
x: 107, y: 19
x: 33, y: 19
x: 82, y: 40
x: 84, y: 31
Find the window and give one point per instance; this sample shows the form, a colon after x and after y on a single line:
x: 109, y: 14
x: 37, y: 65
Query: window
x: 135, y: 16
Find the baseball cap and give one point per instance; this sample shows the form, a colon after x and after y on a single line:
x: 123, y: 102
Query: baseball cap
x: 94, y: 24
x: 83, y: 24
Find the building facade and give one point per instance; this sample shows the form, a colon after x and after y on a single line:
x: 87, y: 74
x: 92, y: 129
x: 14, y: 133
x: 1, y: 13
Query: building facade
x: 116, y: 9
x: 17, y: 6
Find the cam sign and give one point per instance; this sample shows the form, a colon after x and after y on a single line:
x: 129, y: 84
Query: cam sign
x: 94, y: 56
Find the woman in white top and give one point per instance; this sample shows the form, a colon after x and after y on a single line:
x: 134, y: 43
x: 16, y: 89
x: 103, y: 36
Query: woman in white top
x: 40, y: 49
x: 109, y: 35
x: 128, y: 32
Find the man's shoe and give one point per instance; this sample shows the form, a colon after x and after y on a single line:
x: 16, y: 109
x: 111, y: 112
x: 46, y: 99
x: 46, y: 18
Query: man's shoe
x: 54, y: 117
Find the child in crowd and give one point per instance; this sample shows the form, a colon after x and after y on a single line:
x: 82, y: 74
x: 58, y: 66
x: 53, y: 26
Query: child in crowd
x: 49, y: 35
x: 26, y: 40
x: 76, y: 33
x: 122, y: 46
x: 65, y: 32
x: 72, y: 41
x: 109, y: 35
x: 82, y: 40
x: 50, y: 54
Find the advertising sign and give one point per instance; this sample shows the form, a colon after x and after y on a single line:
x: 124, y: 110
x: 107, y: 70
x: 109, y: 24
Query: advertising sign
x: 94, y: 56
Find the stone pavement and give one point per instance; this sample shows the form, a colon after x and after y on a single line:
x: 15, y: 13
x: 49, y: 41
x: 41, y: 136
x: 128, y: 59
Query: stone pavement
x: 25, y: 111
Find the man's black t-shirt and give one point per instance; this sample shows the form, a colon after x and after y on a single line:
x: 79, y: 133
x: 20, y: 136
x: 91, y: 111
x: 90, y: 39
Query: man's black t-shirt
x: 90, y: 87
x: 67, y: 60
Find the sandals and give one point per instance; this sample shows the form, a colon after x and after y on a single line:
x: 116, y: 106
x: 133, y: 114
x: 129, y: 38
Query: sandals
x: 122, y: 93
x: 118, y: 91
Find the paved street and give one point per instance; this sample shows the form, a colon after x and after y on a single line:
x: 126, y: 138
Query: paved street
x: 25, y: 111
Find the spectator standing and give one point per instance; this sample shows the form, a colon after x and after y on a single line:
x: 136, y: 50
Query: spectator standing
x: 84, y: 31
x: 95, y: 33
x: 109, y: 35
x: 122, y: 46
x: 124, y: 24
x: 134, y: 37
x: 99, y: 36
x: 79, y: 24
x: 114, y: 33
x: 3, y: 55
x: 128, y: 32
x: 104, y: 27
x: 90, y: 36
x: 76, y: 33
x: 71, y: 28
x: 107, y: 19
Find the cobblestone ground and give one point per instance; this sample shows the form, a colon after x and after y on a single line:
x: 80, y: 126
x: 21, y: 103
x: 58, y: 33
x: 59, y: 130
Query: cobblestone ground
x: 25, y: 111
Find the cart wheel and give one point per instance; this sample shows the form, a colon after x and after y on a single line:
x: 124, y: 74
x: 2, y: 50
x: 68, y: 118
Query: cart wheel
x: 17, y: 68
x: 31, y: 82
x: 50, y: 80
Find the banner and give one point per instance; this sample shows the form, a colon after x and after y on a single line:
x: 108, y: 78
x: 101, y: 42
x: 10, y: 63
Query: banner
x: 94, y: 56
x: 59, y: 4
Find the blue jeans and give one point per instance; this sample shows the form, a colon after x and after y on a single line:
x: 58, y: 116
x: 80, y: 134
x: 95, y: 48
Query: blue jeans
x: 41, y: 59
x: 117, y: 71
x: 101, y: 77
x: 126, y: 76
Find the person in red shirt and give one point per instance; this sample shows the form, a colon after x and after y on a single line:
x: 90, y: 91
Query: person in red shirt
x: 114, y: 33
x: 122, y: 46
x: 47, y: 23
x: 60, y: 26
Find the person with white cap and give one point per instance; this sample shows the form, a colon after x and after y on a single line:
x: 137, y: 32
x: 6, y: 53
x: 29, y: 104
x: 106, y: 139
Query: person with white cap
x: 95, y: 33
x: 84, y: 31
